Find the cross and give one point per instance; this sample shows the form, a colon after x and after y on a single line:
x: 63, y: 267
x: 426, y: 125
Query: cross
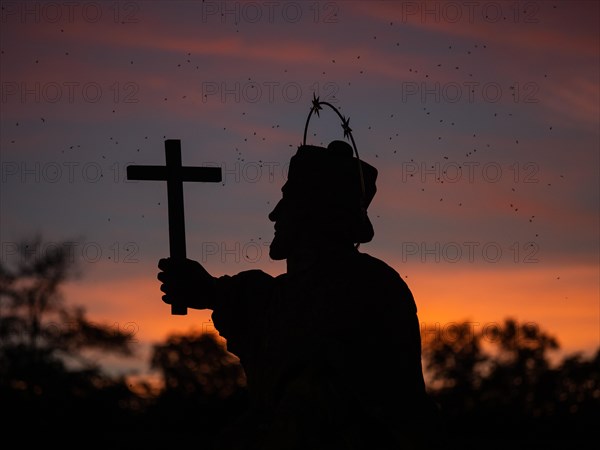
x: 174, y: 174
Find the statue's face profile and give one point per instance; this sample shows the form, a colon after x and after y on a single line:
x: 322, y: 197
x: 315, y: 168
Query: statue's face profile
x: 295, y: 230
x: 298, y: 229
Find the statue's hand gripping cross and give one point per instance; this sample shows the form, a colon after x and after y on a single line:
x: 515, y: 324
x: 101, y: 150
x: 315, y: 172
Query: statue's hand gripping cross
x: 175, y: 174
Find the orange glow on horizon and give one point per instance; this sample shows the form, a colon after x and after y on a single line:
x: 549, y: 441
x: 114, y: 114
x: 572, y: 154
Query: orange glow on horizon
x: 556, y: 299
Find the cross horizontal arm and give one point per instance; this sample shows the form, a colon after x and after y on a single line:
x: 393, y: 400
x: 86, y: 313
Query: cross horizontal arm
x: 158, y: 173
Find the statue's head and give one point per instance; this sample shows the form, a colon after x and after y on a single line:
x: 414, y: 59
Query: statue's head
x: 324, y: 201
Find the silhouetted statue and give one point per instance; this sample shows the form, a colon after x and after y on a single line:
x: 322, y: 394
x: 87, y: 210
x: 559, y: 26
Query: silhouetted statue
x: 332, y: 348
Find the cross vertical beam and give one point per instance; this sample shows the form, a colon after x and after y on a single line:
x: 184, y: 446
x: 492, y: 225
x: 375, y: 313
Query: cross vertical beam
x: 175, y: 208
x: 175, y: 199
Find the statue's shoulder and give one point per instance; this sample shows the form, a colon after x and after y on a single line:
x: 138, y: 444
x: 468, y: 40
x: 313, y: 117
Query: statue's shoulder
x: 375, y: 266
x: 384, y: 279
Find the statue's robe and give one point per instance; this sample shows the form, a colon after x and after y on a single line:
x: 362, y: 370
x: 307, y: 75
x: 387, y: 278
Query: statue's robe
x: 332, y: 358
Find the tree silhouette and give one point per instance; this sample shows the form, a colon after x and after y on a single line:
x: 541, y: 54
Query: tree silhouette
x: 510, y: 390
x: 520, y: 380
x: 197, y: 364
x: 204, y: 384
x: 455, y: 358
x: 45, y: 377
x: 577, y: 395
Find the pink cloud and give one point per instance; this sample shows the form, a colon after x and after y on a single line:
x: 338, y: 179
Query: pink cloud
x: 568, y: 29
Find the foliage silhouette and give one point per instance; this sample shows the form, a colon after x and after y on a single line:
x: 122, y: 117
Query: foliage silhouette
x: 46, y: 378
x: 197, y: 363
x: 511, y: 392
x: 204, y: 385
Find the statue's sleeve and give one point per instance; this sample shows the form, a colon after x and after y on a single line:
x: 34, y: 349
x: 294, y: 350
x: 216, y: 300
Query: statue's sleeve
x: 240, y: 311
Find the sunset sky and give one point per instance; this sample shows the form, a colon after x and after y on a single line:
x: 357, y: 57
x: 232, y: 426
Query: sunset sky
x: 481, y: 117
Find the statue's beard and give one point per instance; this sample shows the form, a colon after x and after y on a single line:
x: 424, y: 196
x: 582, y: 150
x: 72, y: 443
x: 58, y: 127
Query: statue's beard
x: 291, y: 240
x: 307, y: 234
x: 279, y: 248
